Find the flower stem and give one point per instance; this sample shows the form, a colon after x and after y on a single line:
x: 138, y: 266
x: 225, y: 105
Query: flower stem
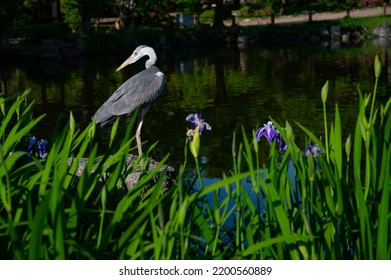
x: 199, y: 173
x: 326, y: 132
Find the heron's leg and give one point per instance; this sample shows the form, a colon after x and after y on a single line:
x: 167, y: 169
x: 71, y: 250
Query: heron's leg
x: 138, y: 138
x: 142, y: 112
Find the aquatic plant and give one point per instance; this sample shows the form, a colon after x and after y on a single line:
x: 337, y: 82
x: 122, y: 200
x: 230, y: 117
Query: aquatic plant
x: 271, y: 134
x: 38, y: 148
x: 193, y: 137
x: 297, y: 205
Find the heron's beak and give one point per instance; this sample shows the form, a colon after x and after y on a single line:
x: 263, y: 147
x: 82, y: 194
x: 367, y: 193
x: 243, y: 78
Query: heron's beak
x: 123, y: 65
x: 130, y: 60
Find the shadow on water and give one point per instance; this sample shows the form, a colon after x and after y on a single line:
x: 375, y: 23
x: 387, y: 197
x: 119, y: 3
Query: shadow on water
x: 230, y: 87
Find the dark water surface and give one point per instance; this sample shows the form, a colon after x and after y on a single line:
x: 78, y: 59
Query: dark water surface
x: 230, y: 87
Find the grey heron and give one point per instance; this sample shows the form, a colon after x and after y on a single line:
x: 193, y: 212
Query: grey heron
x: 139, y: 90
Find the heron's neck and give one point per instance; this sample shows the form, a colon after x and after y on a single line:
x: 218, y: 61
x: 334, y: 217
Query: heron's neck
x: 152, y: 58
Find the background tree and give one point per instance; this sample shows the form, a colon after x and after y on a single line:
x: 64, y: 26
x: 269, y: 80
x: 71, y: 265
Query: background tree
x: 187, y: 6
x: 8, y: 13
x: 127, y: 12
x: 235, y: 4
x: 218, y: 17
x: 70, y: 10
x: 86, y: 15
x: 154, y: 13
x: 78, y: 13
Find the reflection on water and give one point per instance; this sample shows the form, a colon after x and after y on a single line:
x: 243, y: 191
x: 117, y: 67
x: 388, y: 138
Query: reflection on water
x: 231, y: 88
x: 254, y: 193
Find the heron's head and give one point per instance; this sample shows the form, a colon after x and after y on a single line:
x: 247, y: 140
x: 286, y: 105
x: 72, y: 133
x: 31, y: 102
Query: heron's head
x: 138, y: 53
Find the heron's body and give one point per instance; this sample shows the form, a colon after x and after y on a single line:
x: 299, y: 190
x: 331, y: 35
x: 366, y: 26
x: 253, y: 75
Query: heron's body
x: 132, y: 94
x: 138, y: 91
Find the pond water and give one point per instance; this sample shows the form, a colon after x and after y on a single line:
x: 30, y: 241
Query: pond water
x: 232, y: 88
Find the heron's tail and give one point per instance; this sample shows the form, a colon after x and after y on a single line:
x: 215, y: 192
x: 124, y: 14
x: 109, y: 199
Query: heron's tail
x: 103, y: 116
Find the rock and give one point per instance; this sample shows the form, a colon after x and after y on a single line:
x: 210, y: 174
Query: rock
x: 345, y: 38
x: 382, y: 30
x: 242, y: 41
x: 382, y: 42
x: 325, y: 34
x: 134, y: 176
x: 335, y: 31
x: 335, y: 45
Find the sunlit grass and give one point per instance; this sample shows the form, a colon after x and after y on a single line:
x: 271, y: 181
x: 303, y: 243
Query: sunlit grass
x: 299, y: 205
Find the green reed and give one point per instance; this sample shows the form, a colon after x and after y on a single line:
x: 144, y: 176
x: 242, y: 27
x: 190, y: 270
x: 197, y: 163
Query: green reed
x: 280, y: 205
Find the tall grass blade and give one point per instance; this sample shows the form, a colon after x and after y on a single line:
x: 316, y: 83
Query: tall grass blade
x: 38, y: 227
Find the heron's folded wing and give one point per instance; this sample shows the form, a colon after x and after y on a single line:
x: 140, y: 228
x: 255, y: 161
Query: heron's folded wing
x: 135, y: 92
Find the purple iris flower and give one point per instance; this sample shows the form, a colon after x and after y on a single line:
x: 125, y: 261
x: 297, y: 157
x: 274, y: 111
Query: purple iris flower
x: 314, y: 150
x: 37, y: 148
x: 197, y: 121
x: 42, y: 148
x: 268, y: 130
x: 271, y: 133
x: 31, y: 140
x: 283, y: 146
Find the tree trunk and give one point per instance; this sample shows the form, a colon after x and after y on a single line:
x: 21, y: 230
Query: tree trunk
x: 218, y: 18
x: 58, y: 11
x: 85, y: 11
x: 40, y: 11
x: 236, y: 4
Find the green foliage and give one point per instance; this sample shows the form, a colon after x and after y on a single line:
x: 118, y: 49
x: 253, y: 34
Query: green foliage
x: 9, y: 11
x: 295, y: 206
x: 355, y: 24
x: 207, y: 16
x: 22, y: 18
x: 46, y: 211
x: 71, y: 11
x: 187, y: 6
x: 256, y: 10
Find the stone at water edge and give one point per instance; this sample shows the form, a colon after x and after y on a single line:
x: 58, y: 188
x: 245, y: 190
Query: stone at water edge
x: 382, y: 30
x: 132, y: 178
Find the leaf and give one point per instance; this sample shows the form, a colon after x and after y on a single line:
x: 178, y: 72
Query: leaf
x: 37, y: 230
x: 255, y: 248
